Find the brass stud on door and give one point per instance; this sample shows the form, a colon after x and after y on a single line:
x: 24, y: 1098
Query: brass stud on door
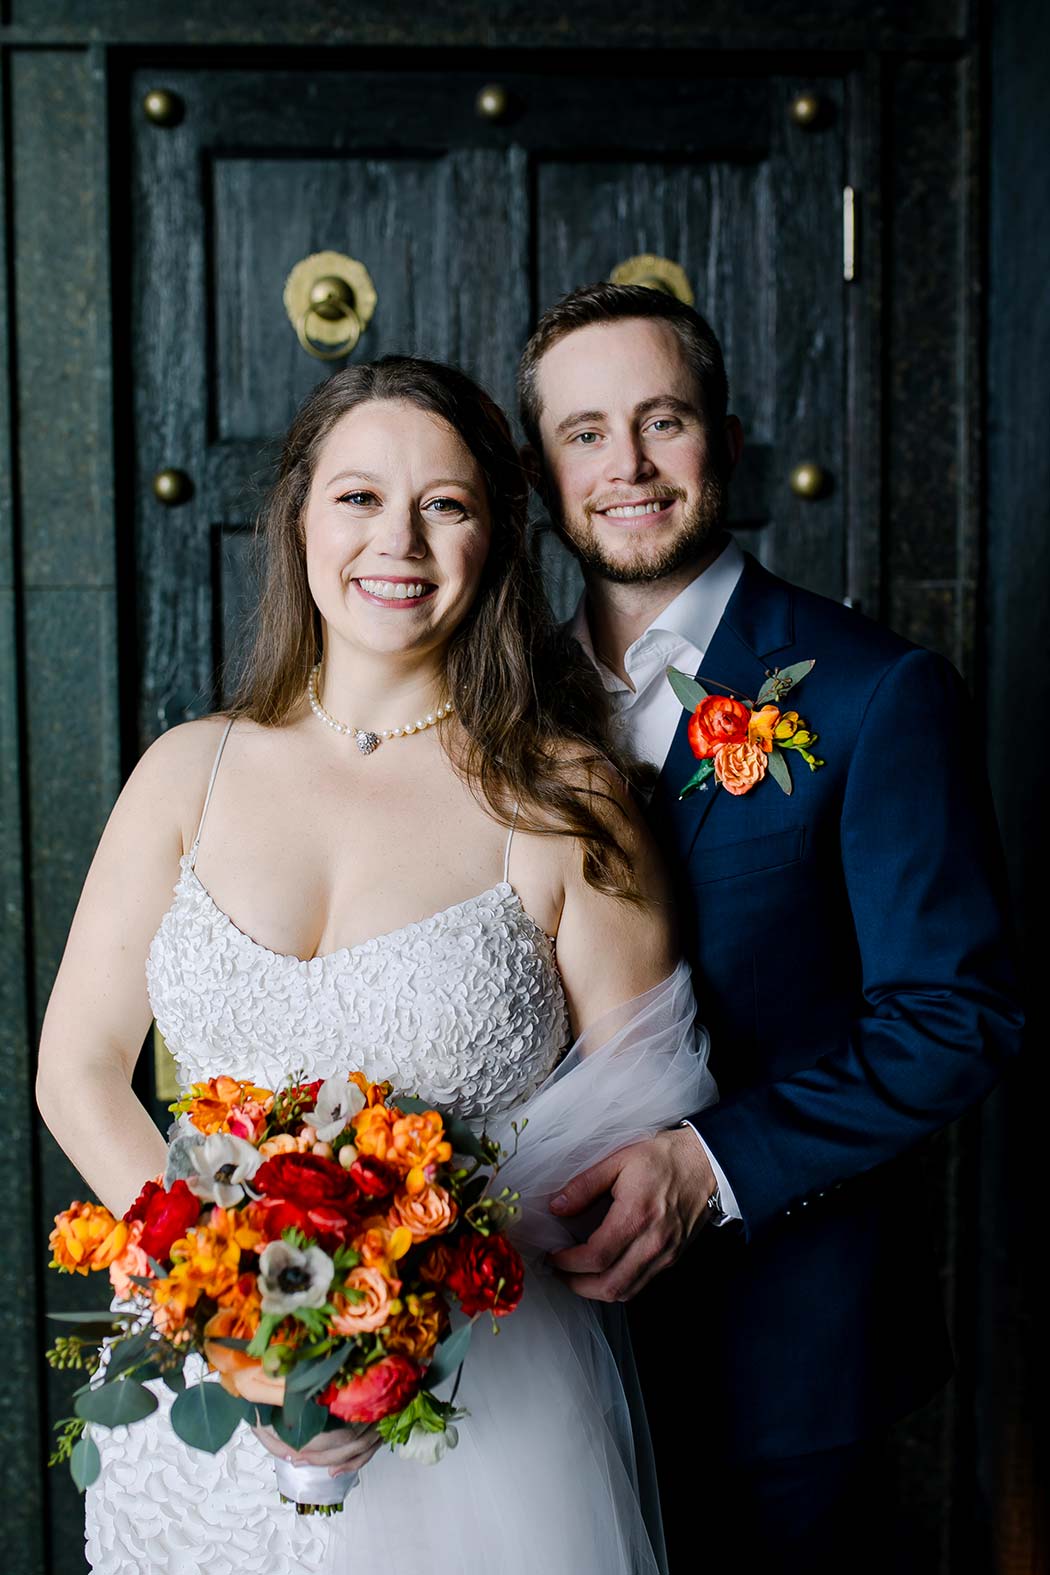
x: 492, y: 102
x: 808, y: 480
x: 655, y: 273
x: 806, y: 110
x: 172, y: 487
x: 163, y: 107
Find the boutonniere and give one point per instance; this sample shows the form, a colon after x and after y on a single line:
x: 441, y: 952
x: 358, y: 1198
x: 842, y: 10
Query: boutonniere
x: 737, y: 740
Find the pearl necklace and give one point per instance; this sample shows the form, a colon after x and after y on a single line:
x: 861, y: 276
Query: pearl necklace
x: 367, y: 742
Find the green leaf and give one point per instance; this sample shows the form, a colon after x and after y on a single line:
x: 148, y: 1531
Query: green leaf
x: 114, y: 1322
x: 309, y: 1377
x: 175, y: 1379
x: 688, y: 692
x: 449, y: 1355
x: 706, y: 769
x: 205, y: 1416
x: 312, y: 1419
x: 228, y: 1340
x: 117, y: 1403
x: 778, y: 684
x: 84, y: 1463
x: 126, y: 1354
x: 778, y: 770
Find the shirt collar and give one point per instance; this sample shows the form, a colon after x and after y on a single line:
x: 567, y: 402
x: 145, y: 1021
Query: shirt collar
x: 693, y: 616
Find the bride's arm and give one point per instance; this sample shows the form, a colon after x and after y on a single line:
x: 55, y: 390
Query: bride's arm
x: 611, y: 949
x: 99, y: 1012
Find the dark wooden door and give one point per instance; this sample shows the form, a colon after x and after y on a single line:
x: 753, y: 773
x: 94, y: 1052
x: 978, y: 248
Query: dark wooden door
x: 468, y: 227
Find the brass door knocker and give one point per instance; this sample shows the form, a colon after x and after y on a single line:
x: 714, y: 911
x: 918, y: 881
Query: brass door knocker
x: 329, y: 299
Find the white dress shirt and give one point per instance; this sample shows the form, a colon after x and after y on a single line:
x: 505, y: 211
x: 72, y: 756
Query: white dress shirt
x: 647, y: 709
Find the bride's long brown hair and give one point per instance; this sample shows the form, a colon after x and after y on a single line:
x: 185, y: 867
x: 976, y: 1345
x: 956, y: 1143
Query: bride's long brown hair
x: 534, y: 720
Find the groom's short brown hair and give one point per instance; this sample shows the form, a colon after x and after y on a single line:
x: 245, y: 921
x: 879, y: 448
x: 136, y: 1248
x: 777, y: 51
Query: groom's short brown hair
x: 610, y: 303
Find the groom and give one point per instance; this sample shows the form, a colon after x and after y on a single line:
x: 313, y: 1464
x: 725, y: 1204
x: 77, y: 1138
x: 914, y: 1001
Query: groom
x: 849, y: 945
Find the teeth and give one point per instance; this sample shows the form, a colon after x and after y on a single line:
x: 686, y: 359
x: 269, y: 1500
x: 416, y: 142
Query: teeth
x: 629, y: 511
x: 394, y: 590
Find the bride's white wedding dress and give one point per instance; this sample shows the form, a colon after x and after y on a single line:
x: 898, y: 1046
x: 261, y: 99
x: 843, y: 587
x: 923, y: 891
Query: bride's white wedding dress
x: 466, y: 1009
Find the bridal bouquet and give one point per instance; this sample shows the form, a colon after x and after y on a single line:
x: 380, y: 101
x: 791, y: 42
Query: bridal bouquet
x: 313, y: 1245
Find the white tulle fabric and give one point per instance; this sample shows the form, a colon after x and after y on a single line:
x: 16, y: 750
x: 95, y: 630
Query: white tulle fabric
x: 553, y: 1470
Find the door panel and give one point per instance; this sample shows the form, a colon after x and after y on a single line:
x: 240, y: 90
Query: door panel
x: 468, y: 228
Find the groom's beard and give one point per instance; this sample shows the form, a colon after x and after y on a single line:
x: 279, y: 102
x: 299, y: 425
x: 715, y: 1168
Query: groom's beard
x: 646, y: 560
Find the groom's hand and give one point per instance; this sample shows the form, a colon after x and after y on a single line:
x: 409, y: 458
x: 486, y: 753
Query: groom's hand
x: 659, y: 1193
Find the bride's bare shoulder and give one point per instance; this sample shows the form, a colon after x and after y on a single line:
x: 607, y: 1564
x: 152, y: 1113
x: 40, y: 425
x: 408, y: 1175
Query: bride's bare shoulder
x: 171, y: 778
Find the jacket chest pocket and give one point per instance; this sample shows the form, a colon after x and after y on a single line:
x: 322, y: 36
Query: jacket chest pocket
x: 749, y: 856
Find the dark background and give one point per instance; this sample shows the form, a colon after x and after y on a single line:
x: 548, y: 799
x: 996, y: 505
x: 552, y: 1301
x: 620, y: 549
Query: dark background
x: 922, y: 387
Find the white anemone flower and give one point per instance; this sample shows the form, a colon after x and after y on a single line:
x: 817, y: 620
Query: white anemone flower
x: 293, y: 1277
x: 427, y: 1448
x: 222, y: 1165
x: 338, y: 1101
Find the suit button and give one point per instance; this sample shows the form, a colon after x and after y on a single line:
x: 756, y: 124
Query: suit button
x: 820, y: 1194
x: 804, y: 1203
x: 787, y: 1214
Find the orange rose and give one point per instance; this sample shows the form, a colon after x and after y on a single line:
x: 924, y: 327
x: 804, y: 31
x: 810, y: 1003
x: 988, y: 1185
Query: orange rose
x: 86, y: 1236
x: 716, y: 721
x: 416, y: 1330
x: 133, y: 1260
x: 370, y: 1311
x: 760, y: 728
x: 239, y: 1373
x: 425, y: 1213
x: 739, y: 766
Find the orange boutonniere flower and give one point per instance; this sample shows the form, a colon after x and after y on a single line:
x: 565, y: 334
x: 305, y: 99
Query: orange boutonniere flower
x: 739, y: 741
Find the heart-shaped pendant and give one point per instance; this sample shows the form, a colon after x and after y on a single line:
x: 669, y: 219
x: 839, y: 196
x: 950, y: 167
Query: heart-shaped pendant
x: 366, y: 742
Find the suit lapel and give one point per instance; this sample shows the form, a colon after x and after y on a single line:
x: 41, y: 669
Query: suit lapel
x: 755, y: 625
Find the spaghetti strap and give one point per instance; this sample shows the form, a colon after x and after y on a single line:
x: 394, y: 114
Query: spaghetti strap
x: 510, y: 839
x: 207, y: 796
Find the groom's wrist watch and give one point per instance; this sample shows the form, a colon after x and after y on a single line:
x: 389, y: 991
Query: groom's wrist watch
x: 715, y: 1212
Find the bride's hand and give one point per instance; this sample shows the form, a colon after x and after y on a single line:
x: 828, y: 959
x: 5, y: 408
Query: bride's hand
x: 342, y: 1449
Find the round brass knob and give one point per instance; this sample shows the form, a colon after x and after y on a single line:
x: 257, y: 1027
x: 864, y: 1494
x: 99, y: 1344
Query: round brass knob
x: 331, y: 298
x: 808, y: 480
x: 806, y: 110
x: 172, y: 487
x: 492, y: 102
x: 162, y: 107
x: 655, y: 273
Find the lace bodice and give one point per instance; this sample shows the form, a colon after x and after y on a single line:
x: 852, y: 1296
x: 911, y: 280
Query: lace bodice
x: 464, y: 1008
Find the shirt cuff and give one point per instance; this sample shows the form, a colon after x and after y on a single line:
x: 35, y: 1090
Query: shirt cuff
x: 730, y: 1207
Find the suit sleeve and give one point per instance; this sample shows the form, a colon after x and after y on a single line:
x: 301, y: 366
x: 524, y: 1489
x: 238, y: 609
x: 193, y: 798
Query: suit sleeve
x: 940, y: 1015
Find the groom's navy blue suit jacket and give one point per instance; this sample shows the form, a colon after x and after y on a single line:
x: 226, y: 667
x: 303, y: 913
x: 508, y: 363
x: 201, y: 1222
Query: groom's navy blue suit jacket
x: 852, y: 961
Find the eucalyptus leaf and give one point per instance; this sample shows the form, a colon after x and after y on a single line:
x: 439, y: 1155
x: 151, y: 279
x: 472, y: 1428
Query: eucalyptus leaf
x: 778, y: 770
x: 175, y: 1379
x: 309, y: 1377
x: 706, y: 769
x: 205, y: 1416
x: 115, y: 1404
x: 449, y: 1355
x: 687, y: 691
x: 229, y: 1341
x: 84, y: 1462
x: 114, y: 1321
x: 778, y: 684
x: 126, y: 1354
x: 312, y: 1420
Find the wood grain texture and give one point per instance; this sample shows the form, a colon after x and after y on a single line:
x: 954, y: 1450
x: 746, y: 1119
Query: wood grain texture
x: 513, y: 24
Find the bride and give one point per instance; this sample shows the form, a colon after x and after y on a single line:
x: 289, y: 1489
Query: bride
x: 411, y: 802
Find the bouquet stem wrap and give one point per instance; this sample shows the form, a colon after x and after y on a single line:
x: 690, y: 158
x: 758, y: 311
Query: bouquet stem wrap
x: 312, y: 1487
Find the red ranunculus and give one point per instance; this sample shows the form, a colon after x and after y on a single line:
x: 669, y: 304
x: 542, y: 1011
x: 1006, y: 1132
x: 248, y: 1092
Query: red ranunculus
x: 487, y: 1275
x: 716, y: 721
x: 375, y: 1179
x: 165, y: 1216
x: 306, y: 1180
x: 380, y: 1390
x: 329, y: 1226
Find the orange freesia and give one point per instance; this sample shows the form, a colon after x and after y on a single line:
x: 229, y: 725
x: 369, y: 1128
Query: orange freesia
x: 285, y: 1143
x: 86, y: 1236
x: 206, y: 1261
x: 761, y: 727
x: 369, y: 1311
x: 425, y: 1213
x: 374, y: 1134
x: 380, y: 1248
x: 133, y: 1260
x: 209, y: 1104
x: 416, y: 1330
x: 375, y: 1093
